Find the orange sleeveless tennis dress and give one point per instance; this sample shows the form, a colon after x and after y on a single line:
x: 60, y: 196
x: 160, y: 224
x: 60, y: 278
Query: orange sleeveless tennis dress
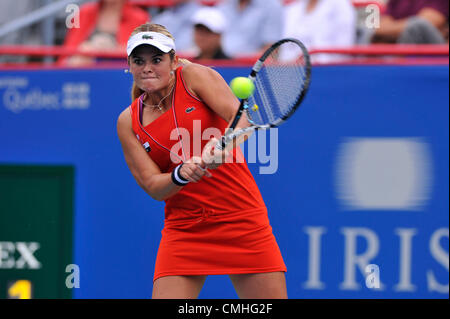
x: 220, y: 224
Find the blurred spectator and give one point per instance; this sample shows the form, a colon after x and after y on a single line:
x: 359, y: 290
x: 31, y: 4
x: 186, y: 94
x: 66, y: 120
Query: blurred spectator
x: 105, y: 24
x: 209, y: 24
x: 253, y: 25
x: 177, y: 20
x: 11, y: 10
x: 414, y: 21
x: 320, y: 24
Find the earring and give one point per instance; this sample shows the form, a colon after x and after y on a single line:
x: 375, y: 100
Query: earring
x: 126, y: 71
x: 171, y: 72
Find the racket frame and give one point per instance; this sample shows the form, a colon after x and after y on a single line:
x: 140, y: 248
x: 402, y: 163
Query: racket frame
x: 231, y: 134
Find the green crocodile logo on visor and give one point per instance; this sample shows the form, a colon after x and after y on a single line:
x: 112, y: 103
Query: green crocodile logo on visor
x: 147, y: 37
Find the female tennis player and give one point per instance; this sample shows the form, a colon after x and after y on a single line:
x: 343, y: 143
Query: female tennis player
x: 216, y: 221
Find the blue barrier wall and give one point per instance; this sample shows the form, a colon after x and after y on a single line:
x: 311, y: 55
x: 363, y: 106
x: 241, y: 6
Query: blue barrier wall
x: 360, y: 177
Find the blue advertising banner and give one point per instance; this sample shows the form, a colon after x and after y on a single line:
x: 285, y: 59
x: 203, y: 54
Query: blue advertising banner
x: 356, y: 183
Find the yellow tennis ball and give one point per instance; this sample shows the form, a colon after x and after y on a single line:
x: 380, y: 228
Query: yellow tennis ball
x: 242, y: 87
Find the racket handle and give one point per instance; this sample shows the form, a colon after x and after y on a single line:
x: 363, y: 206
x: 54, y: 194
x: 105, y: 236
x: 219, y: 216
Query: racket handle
x: 221, y: 144
x: 238, y: 115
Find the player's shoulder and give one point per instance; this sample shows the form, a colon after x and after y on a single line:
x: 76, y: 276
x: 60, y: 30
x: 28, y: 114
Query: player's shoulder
x: 125, y: 114
x: 197, y: 73
x: 194, y: 69
x: 124, y: 118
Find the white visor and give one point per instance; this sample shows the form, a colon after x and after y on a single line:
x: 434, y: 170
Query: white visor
x: 158, y: 40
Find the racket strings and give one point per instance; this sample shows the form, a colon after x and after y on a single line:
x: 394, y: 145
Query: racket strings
x: 278, y: 86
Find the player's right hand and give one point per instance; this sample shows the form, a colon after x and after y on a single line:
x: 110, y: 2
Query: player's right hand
x: 212, y: 157
x: 192, y: 171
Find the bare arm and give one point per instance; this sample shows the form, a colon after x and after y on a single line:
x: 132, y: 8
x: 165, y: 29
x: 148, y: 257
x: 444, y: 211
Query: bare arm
x: 435, y: 17
x: 390, y: 29
x: 145, y: 171
x: 211, y: 88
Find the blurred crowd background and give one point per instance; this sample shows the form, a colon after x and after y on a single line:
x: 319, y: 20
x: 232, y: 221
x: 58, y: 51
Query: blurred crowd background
x: 216, y: 29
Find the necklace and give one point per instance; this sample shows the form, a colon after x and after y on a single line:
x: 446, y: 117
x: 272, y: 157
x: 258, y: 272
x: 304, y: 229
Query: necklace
x: 159, y: 104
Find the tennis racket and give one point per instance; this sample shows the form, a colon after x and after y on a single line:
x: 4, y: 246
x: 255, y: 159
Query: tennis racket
x: 281, y: 77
